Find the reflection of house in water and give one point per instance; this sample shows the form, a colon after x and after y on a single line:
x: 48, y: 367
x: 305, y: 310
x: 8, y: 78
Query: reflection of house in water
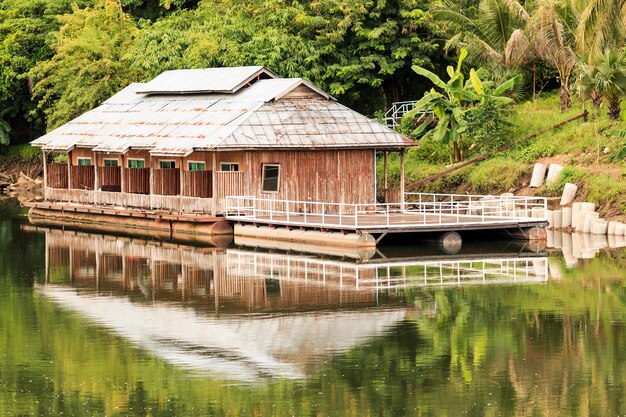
x: 243, y: 280
x: 335, y: 305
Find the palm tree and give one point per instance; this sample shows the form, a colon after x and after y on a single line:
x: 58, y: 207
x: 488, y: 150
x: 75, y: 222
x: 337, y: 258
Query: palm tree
x: 610, y: 79
x: 495, y: 38
x: 602, y: 24
x: 551, y: 27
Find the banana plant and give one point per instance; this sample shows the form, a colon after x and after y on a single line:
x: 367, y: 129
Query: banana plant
x: 449, y: 106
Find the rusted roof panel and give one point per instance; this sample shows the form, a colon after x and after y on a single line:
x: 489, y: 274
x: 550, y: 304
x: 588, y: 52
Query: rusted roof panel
x: 253, y: 117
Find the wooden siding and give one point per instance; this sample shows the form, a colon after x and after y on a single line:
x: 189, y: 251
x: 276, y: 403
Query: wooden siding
x: 167, y: 181
x: 229, y: 183
x: 137, y: 180
x: 198, y: 184
x: 340, y: 176
x: 57, y: 175
x: 82, y: 177
x: 110, y: 178
x: 76, y: 153
x: 301, y: 91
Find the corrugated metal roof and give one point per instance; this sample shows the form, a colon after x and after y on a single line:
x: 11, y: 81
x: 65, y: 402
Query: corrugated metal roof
x: 253, y: 117
x: 207, y: 80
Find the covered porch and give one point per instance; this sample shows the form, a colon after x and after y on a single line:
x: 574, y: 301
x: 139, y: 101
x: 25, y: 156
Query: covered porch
x: 121, y: 182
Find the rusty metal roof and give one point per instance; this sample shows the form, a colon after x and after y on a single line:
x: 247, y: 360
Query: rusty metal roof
x: 255, y: 117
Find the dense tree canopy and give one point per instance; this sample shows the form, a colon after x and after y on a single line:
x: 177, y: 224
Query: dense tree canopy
x: 59, y: 58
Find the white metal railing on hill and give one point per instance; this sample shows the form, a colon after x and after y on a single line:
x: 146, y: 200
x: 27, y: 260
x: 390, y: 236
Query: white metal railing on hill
x: 418, y: 211
x: 393, y: 116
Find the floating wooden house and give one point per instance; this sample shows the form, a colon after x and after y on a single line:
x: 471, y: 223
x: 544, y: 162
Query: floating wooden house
x: 188, y: 139
x: 179, y: 155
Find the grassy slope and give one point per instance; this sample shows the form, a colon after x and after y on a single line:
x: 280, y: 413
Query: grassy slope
x: 587, y: 156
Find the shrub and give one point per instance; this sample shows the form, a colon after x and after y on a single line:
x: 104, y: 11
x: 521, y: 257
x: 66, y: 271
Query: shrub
x: 568, y: 174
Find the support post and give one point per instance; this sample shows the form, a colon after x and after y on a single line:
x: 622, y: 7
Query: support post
x: 182, y: 177
x: 45, y: 174
x: 214, y: 183
x: 69, y: 170
x: 386, y: 170
x: 402, y: 178
x: 151, y: 181
x: 96, y: 180
x: 122, y: 174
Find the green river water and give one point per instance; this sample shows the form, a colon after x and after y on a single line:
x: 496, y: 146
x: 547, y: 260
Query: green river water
x: 95, y: 325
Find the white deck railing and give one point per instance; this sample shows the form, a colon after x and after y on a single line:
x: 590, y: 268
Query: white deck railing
x: 418, y: 210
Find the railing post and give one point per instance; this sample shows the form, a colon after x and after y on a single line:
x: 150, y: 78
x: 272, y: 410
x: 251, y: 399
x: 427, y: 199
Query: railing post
x: 356, y: 215
x: 323, y: 213
x: 387, y: 210
x: 340, y: 212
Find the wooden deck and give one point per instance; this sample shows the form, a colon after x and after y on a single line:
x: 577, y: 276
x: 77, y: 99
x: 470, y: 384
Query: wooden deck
x: 394, y: 222
x: 126, y: 212
x: 429, y: 213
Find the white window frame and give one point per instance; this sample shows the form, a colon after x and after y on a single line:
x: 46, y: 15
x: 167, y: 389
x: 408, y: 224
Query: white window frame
x: 173, y: 161
x: 230, y: 164
x: 270, y: 164
x: 196, y: 162
x: 135, y: 159
x: 83, y: 158
x: 104, y: 162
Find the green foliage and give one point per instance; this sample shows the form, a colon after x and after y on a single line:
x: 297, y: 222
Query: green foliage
x: 5, y: 129
x: 89, y: 62
x: 26, y: 29
x: 604, y: 189
x: 535, y: 151
x: 24, y: 152
x: 568, y: 174
x: 488, y: 124
x: 60, y: 158
x: 452, y: 105
x: 495, y: 175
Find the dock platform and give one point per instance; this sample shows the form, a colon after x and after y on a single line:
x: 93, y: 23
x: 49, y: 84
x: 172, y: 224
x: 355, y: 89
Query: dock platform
x: 419, y: 213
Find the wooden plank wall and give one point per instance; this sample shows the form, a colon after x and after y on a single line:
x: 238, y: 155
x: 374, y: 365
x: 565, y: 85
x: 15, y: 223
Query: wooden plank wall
x: 342, y: 176
x: 137, y: 180
x: 198, y: 184
x: 167, y: 181
x: 57, y: 175
x: 110, y: 178
x: 83, y: 177
x: 229, y: 183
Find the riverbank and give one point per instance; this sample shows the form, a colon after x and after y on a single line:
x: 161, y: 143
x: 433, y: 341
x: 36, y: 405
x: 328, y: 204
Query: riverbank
x: 584, y: 148
x: 21, y: 173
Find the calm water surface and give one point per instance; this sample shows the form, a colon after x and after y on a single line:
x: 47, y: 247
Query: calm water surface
x: 101, y: 325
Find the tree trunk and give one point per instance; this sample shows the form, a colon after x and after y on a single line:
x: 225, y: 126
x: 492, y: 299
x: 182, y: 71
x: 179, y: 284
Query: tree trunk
x: 615, y: 109
x: 457, y: 151
x: 596, y: 98
x: 566, y: 100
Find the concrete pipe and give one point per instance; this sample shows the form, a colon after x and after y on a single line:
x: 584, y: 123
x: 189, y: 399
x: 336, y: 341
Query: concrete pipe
x: 569, y: 193
x: 566, y: 217
x: 539, y: 173
x: 553, y: 173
